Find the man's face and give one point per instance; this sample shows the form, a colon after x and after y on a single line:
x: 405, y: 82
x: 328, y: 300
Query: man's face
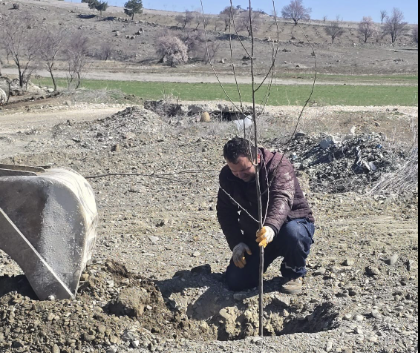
x: 243, y: 169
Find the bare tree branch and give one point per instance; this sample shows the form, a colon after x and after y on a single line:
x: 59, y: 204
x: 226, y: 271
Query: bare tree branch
x: 211, y: 64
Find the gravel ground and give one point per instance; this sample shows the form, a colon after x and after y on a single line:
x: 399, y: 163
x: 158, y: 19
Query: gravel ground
x: 156, y: 280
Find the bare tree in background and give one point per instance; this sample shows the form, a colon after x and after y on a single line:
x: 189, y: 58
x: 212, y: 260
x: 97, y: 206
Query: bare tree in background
x: 197, y: 19
x: 227, y: 15
x: 195, y: 41
x: 105, y: 50
x: 20, y: 42
x: 367, y: 28
x: 172, y: 50
x: 51, y: 45
x: 296, y: 11
x: 243, y: 23
x: 334, y: 29
x: 395, y: 25
x: 185, y: 18
x: 76, y: 56
x: 416, y: 33
x: 384, y: 15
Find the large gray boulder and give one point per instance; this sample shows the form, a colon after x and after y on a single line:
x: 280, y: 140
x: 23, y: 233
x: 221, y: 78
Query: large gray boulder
x: 48, y: 226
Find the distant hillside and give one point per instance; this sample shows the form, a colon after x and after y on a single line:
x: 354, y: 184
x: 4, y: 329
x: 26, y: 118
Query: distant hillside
x: 133, y: 43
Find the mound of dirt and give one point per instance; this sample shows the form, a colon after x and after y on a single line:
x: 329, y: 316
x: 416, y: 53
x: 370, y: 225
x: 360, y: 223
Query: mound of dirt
x: 113, y: 308
x: 131, y: 127
x: 118, y: 309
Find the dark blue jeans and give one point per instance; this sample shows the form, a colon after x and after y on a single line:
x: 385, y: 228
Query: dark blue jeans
x: 293, y: 243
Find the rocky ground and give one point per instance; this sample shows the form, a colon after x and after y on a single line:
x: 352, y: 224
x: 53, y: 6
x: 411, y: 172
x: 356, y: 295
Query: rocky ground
x: 156, y: 281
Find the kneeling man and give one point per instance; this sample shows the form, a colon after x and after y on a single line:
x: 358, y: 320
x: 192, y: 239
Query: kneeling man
x: 288, y: 220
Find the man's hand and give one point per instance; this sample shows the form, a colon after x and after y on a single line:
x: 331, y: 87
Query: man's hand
x: 239, y: 254
x: 265, y: 236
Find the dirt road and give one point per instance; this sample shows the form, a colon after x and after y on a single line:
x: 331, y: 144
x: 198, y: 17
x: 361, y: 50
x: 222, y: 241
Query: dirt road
x: 198, y: 78
x: 11, y: 122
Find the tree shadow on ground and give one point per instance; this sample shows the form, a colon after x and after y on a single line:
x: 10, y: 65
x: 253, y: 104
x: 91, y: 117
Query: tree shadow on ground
x: 18, y: 284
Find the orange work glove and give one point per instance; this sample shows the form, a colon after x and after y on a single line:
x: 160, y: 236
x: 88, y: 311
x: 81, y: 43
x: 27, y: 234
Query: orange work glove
x: 265, y: 236
x: 238, y: 256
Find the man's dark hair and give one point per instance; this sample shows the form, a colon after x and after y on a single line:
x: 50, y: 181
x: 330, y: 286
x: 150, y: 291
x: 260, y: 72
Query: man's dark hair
x: 238, y: 147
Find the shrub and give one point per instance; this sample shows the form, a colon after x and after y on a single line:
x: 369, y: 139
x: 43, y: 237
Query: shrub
x: 172, y: 50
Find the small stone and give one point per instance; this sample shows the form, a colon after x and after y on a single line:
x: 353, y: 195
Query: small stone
x: 88, y: 338
x: 373, y: 271
x: 50, y: 317
x: 116, y: 148
x: 376, y: 314
x: 358, y: 330
x: 196, y: 254
x: 154, y: 240
x: 400, y: 308
x: 352, y: 292
x: 320, y: 272
x: 373, y: 339
x: 111, y: 350
x: 359, y: 318
x: 129, y: 136
x: 135, y: 344
x: 101, y: 329
x: 114, y: 340
x: 56, y: 349
x: 409, y: 265
x: 329, y: 346
x: 349, y: 262
x: 348, y: 317
x: 393, y: 260
x: 281, y: 300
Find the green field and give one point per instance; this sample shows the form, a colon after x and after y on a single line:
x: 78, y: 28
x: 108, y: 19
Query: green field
x: 280, y: 95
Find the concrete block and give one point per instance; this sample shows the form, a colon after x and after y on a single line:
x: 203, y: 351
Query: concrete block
x: 48, y: 226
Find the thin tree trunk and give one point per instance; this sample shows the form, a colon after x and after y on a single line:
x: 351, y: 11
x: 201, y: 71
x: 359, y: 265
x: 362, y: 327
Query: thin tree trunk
x: 257, y: 181
x: 54, y: 82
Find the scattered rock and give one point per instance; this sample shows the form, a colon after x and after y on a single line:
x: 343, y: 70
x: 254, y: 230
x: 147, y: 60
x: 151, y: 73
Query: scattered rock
x: 349, y: 262
x: 116, y: 148
x: 393, y: 260
x: 320, y: 272
x: 372, y: 271
x: 154, y: 240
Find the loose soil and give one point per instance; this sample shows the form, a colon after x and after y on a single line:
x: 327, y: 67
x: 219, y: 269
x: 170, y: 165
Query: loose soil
x: 156, y: 281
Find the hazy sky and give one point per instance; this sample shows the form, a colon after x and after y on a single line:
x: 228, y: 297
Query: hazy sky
x: 348, y: 10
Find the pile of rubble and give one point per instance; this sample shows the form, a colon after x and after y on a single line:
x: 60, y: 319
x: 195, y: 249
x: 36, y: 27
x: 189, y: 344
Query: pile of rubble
x: 129, y: 128
x: 115, y: 310
x: 337, y: 164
